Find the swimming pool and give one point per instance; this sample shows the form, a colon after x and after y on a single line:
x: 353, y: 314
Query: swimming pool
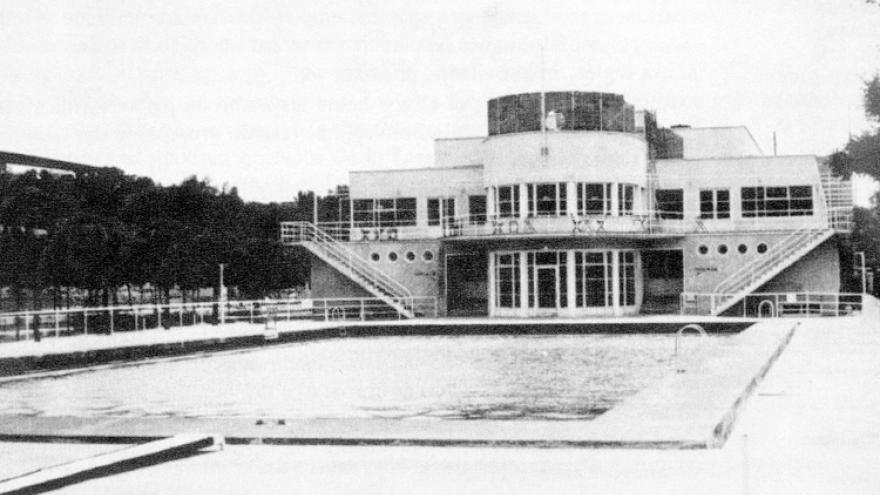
x: 558, y: 377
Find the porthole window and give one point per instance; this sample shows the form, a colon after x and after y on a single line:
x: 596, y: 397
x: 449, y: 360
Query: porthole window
x: 392, y: 256
x: 762, y: 248
x: 703, y: 249
x: 375, y: 257
x: 428, y: 256
x: 410, y: 256
x: 722, y: 249
x: 743, y: 249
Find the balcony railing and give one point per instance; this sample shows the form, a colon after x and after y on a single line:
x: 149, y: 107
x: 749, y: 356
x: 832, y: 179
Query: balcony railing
x: 637, y: 225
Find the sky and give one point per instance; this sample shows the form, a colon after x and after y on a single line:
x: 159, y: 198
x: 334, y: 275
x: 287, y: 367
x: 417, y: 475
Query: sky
x: 274, y: 96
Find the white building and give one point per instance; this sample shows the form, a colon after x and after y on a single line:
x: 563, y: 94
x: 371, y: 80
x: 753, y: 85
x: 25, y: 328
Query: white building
x: 591, y: 210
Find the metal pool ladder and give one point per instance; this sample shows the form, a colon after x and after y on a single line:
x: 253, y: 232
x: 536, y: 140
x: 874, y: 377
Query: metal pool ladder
x: 681, y: 331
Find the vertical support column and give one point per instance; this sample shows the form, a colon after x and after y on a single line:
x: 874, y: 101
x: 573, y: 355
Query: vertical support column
x: 571, y: 200
x: 490, y: 204
x: 524, y: 282
x: 571, y: 295
x: 523, y: 201
x: 491, y: 284
x: 615, y: 281
x: 615, y: 204
x: 638, y: 280
x: 735, y: 196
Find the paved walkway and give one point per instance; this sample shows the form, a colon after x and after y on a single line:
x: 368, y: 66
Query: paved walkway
x: 812, y: 428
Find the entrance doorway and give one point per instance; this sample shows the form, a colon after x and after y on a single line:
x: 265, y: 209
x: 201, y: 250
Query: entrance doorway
x: 664, y: 280
x: 467, y: 284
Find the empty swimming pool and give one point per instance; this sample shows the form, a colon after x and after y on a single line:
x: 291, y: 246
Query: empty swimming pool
x: 575, y: 377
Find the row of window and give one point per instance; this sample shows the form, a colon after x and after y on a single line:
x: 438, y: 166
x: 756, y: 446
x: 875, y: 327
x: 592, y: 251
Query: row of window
x: 593, y: 199
x: 722, y: 249
x: 427, y: 256
x: 547, y: 279
x: 550, y: 199
x: 760, y: 201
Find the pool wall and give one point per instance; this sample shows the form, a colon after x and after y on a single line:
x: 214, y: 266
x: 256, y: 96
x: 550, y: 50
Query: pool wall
x: 110, y: 351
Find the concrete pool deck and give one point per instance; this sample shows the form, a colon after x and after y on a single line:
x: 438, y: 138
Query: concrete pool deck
x: 810, y: 427
x: 691, y: 408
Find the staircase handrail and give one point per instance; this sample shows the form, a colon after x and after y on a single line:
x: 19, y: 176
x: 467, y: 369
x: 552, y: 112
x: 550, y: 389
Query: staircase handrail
x: 748, y: 273
x: 307, y: 231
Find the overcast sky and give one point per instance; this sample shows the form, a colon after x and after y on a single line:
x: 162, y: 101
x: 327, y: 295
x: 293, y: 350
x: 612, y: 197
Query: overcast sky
x: 278, y: 96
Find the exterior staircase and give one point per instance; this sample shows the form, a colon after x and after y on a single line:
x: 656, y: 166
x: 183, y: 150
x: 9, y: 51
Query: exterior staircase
x: 779, y: 257
x: 343, y: 259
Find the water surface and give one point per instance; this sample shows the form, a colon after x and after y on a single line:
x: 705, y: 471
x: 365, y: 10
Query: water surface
x: 454, y: 377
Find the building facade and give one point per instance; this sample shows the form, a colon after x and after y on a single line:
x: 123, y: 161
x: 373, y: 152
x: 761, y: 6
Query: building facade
x: 576, y: 204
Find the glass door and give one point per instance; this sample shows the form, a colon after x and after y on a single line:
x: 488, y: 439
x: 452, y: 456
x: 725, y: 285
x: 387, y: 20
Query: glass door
x: 547, y: 286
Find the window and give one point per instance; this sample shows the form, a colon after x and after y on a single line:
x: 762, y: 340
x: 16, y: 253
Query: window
x: 428, y: 256
x: 742, y: 248
x: 547, y: 200
x: 722, y: 249
x: 779, y: 201
x: 594, y: 199
x: 392, y: 256
x: 714, y: 203
x: 670, y: 203
x: 625, y: 193
x: 507, y: 284
x: 507, y: 201
x: 592, y: 275
x: 410, y: 256
x: 703, y: 249
x: 477, y: 210
x: 762, y: 248
x: 385, y: 212
x: 627, y: 277
x: 440, y: 208
x: 375, y: 257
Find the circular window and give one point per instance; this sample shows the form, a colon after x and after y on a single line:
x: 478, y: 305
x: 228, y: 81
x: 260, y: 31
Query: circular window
x: 722, y: 249
x: 762, y: 248
x: 742, y: 248
x: 410, y: 256
x: 428, y: 256
x: 375, y: 257
x: 392, y: 256
x: 703, y: 249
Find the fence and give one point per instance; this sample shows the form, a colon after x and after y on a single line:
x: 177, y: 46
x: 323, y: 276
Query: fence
x: 778, y: 304
x: 110, y: 320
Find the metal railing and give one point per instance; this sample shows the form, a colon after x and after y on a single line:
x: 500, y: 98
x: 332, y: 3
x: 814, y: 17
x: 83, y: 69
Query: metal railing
x: 357, y: 268
x: 837, y: 195
x: 114, y: 319
x: 776, y: 304
x: 637, y: 223
x: 750, y: 274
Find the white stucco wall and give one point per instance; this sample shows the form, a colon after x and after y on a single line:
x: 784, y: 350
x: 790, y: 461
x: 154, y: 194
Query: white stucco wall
x: 573, y: 156
x: 455, y: 152
x: 717, y: 142
x: 735, y: 173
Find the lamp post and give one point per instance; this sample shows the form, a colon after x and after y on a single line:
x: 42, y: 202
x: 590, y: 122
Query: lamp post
x: 864, y: 276
x: 222, y: 296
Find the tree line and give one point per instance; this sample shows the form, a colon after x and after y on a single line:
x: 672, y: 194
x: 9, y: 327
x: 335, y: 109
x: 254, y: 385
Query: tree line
x: 103, y: 232
x: 861, y: 155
